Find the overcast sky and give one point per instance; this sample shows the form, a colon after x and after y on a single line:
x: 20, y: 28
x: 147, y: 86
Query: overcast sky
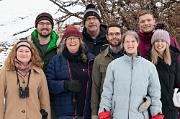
x: 12, y: 12
x: 10, y: 9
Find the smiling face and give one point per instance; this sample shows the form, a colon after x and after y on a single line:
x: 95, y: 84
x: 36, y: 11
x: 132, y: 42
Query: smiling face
x: 23, y: 54
x: 130, y: 45
x: 73, y: 44
x: 114, y: 36
x: 92, y: 24
x: 160, y: 46
x: 44, y: 28
x: 146, y: 23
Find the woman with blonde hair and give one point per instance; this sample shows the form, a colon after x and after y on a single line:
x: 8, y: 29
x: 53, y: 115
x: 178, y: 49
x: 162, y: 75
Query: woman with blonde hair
x: 168, y: 67
x: 23, y: 84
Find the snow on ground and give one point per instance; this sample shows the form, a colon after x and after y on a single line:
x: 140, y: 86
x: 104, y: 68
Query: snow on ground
x: 14, y: 19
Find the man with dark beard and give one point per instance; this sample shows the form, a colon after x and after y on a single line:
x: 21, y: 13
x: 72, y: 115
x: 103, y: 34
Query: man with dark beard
x: 113, y: 51
x: 44, y: 38
x: 46, y: 41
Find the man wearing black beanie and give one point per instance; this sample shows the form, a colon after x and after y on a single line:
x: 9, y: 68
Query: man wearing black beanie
x: 44, y: 38
x: 94, y: 33
x: 44, y: 16
x: 46, y: 41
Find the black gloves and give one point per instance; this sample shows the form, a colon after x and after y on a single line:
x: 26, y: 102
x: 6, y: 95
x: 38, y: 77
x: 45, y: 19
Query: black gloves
x: 73, y: 85
x: 44, y: 114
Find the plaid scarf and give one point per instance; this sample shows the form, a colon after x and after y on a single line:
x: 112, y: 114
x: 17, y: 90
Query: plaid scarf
x: 23, y: 69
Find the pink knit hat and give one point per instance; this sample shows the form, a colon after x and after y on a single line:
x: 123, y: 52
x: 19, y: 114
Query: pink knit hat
x: 160, y: 34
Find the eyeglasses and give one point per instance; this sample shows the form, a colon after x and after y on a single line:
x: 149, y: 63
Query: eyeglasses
x: 116, y: 34
x: 44, y: 23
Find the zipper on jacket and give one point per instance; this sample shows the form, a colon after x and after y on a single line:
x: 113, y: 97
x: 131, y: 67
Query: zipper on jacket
x: 73, y: 94
x: 87, y: 85
x: 130, y: 87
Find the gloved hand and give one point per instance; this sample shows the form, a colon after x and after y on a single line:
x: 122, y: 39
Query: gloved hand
x: 105, y: 115
x: 73, y: 85
x: 158, y: 116
x: 145, y: 104
x: 44, y: 114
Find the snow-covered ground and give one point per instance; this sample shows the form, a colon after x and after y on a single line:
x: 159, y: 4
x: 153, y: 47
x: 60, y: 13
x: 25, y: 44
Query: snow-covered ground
x: 15, y: 18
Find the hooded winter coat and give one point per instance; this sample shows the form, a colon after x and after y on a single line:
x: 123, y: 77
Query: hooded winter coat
x: 128, y: 80
x: 51, y: 48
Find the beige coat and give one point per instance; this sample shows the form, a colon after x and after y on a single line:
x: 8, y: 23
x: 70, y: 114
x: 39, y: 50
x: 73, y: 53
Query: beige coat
x: 27, y: 108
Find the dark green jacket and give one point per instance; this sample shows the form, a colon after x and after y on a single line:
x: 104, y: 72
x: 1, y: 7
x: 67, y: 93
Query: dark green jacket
x: 51, y: 49
x: 98, y: 75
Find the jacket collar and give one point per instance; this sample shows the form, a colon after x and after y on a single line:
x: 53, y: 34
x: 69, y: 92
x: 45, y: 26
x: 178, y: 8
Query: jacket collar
x: 36, y: 69
x: 131, y: 58
x: 99, y: 37
x: 106, y: 52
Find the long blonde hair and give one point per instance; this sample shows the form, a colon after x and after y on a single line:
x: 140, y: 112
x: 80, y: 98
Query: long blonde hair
x: 36, y: 60
x: 166, y: 56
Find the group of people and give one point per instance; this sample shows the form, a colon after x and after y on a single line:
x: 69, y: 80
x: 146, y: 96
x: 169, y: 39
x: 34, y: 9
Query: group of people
x: 99, y: 73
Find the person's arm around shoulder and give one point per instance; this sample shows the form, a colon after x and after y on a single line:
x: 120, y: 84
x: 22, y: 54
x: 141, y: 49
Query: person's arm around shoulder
x: 154, y: 91
x: 2, y: 92
x: 96, y: 84
x: 44, y: 95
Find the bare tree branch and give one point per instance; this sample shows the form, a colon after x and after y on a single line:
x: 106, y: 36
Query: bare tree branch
x: 122, y: 11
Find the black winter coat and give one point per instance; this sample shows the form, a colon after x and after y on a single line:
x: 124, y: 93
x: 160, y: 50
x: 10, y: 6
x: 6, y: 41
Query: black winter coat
x: 95, y: 46
x: 169, y: 77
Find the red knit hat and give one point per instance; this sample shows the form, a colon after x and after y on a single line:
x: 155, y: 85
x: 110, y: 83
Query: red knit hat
x: 72, y: 31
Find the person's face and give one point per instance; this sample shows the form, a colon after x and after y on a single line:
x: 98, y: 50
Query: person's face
x: 23, y: 54
x: 160, y: 46
x: 146, y: 23
x: 114, y: 36
x: 73, y: 44
x: 44, y: 28
x: 92, y: 24
x: 130, y: 45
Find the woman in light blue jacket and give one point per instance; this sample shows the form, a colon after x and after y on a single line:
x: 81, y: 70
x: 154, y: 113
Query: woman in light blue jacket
x: 128, y: 80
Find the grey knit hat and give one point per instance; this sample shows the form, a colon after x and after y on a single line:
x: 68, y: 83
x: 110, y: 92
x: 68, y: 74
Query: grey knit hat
x: 91, y: 11
x: 160, y: 34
